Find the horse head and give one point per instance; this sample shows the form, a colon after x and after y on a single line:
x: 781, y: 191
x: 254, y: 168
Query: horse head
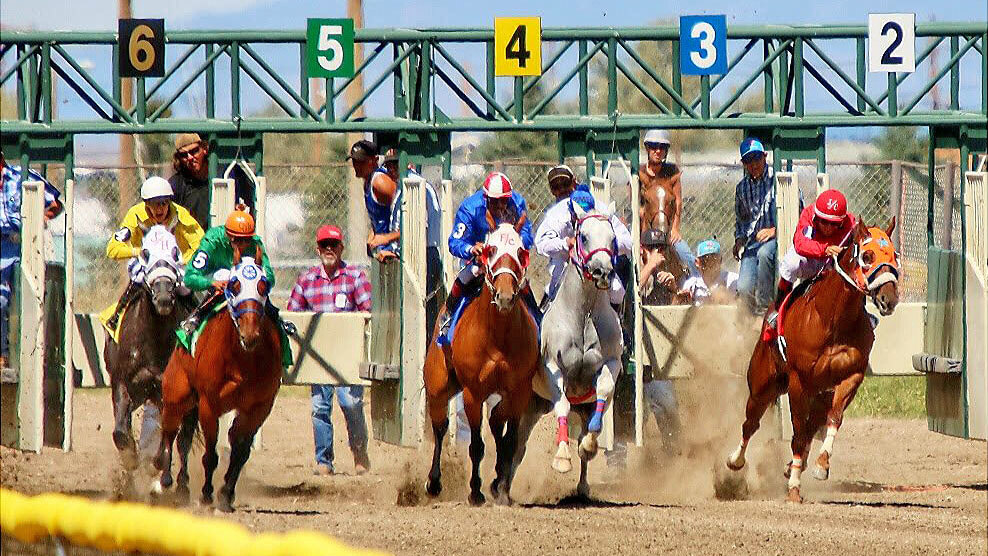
x: 246, y: 295
x: 162, y: 262
x: 595, y: 252
x: 505, y: 262
x: 872, y: 265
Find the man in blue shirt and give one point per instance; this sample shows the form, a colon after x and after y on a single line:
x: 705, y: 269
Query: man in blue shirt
x: 470, y: 229
x: 380, y: 192
x: 754, y: 229
x: 10, y: 229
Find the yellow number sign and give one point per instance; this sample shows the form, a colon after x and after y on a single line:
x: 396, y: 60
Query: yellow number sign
x: 517, y: 46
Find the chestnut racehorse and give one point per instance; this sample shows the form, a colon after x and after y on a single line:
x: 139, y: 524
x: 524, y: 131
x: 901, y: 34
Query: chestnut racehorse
x: 236, y: 367
x: 495, y: 350
x: 829, y: 337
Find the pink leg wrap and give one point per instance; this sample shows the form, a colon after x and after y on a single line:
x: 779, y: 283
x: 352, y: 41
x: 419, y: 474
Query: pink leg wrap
x: 562, y: 432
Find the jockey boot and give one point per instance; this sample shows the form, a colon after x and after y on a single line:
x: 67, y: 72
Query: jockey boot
x: 785, y: 286
x: 128, y: 295
x: 191, y: 324
x: 275, y: 315
x: 529, y: 298
x: 452, y: 302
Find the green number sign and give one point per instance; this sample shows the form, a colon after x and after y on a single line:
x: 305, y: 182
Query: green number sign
x: 329, y: 47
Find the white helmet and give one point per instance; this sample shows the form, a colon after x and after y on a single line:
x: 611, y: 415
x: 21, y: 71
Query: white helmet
x: 155, y: 187
x: 657, y: 136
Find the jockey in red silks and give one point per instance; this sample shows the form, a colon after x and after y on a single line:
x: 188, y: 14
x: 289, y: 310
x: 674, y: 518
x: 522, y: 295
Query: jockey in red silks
x: 821, y: 233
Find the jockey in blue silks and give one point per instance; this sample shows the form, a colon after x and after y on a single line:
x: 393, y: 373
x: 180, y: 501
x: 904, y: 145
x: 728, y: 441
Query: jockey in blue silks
x: 470, y: 230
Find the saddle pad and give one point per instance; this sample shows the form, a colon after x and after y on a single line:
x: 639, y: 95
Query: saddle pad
x: 104, y: 318
x: 447, y: 339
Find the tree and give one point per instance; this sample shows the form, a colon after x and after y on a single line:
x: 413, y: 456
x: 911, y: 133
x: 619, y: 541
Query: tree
x: 902, y: 143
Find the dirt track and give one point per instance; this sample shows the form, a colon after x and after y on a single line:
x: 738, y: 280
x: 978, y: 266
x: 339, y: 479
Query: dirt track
x: 895, y: 488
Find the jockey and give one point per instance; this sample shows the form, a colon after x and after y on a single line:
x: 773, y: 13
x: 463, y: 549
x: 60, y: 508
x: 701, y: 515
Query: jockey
x: 469, y: 230
x: 216, y: 253
x: 820, y: 234
x: 556, y: 236
x: 156, y: 207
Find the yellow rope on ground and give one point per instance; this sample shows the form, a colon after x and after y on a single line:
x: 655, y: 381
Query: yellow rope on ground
x: 131, y: 527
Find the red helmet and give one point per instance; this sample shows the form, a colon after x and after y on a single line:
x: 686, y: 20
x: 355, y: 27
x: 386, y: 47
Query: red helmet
x: 831, y: 206
x: 497, y: 186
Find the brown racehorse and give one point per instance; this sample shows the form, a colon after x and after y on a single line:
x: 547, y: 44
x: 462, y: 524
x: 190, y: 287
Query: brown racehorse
x: 829, y: 338
x: 236, y: 367
x: 495, y: 350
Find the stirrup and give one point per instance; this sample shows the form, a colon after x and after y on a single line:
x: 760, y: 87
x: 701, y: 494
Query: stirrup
x: 772, y: 319
x: 190, y: 325
x: 289, y: 327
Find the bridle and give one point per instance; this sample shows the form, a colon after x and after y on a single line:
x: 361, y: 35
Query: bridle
x: 520, y: 256
x: 867, y: 277
x: 249, y: 281
x: 579, y: 254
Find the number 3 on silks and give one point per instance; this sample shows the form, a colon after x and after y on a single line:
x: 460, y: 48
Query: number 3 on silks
x: 703, y: 44
x: 329, y: 48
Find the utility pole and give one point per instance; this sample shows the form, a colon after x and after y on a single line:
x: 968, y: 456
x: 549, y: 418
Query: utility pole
x: 125, y: 178
x: 356, y: 213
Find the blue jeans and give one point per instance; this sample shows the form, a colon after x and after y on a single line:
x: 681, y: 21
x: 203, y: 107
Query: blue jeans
x: 9, y: 255
x: 686, y: 256
x: 352, y: 404
x: 756, y: 277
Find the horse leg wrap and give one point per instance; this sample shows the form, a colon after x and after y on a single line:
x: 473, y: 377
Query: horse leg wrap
x: 597, y: 419
x: 562, y: 430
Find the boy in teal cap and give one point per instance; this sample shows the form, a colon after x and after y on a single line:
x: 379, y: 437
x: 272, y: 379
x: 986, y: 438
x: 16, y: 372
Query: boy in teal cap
x: 714, y: 283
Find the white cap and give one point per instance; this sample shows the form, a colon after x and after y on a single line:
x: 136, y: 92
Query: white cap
x: 657, y: 136
x: 155, y: 187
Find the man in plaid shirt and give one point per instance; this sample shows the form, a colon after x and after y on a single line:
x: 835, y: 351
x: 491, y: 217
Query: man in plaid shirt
x: 754, y: 229
x: 331, y: 287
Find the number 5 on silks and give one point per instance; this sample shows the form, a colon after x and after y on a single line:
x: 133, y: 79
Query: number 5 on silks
x: 703, y: 44
x: 329, y: 48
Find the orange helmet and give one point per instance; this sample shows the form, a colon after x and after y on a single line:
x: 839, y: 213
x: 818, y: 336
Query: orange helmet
x: 240, y: 224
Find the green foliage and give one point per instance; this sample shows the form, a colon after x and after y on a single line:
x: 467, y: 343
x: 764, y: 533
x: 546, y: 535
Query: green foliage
x: 890, y: 396
x: 902, y: 143
x: 156, y: 148
x: 527, y: 145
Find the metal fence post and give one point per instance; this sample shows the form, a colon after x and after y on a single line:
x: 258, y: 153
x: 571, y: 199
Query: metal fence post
x: 950, y: 172
x: 896, y: 202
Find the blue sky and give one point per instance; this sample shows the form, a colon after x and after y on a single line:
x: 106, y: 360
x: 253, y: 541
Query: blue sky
x: 287, y: 14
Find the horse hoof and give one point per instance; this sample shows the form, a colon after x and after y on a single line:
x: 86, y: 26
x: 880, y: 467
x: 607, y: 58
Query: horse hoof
x: 583, y: 490
x: 788, y: 470
x: 156, y: 488
x: 206, y: 499
x: 224, y: 507
x: 794, y: 496
x: 820, y: 473
x: 477, y: 498
x: 562, y: 465
x: 433, y: 487
x: 503, y: 500
x: 735, y: 465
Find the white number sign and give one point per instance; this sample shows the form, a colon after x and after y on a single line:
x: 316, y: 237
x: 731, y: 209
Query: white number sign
x: 892, y: 43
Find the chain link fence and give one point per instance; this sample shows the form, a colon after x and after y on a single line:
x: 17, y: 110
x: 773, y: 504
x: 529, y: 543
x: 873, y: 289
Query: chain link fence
x: 301, y: 197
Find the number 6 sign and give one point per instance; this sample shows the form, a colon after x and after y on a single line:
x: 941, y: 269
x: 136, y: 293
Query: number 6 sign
x: 329, y: 48
x: 703, y: 44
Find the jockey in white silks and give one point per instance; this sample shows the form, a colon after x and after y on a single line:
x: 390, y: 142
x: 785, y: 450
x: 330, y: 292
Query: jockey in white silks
x: 554, y: 238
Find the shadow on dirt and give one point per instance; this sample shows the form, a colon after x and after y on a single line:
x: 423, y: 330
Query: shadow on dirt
x: 578, y: 501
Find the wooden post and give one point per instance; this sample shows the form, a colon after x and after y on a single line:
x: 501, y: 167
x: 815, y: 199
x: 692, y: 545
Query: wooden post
x: 950, y: 173
x: 787, y: 214
x: 68, y: 198
x: 413, y: 310
x: 636, y: 236
x: 896, y: 205
x: 31, y: 398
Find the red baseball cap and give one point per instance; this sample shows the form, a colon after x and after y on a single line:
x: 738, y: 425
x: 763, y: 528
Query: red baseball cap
x: 329, y: 231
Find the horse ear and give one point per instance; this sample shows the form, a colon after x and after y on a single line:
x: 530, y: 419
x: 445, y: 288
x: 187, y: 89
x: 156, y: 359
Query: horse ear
x: 611, y: 208
x: 888, y: 231
x: 236, y: 255
x: 257, y: 255
x: 578, y: 211
x: 490, y: 220
x: 521, y: 221
x: 860, y: 229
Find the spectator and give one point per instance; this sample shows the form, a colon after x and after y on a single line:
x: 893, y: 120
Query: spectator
x: 658, y: 174
x: 380, y: 193
x: 714, y: 284
x: 330, y: 287
x: 10, y: 232
x: 433, y: 236
x: 190, y: 182
x: 754, y: 229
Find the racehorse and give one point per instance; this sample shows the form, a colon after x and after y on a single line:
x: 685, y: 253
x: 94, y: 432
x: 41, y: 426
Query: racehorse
x: 581, y: 345
x: 828, y: 338
x: 495, y: 350
x: 137, y: 359
x: 236, y: 367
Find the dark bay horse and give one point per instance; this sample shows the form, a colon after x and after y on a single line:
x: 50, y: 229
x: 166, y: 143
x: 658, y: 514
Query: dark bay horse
x: 495, y: 350
x: 136, y: 361
x: 236, y: 367
x: 829, y: 339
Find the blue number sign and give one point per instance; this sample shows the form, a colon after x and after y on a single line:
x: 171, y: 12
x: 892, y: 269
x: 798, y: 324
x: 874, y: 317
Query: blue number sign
x: 703, y: 44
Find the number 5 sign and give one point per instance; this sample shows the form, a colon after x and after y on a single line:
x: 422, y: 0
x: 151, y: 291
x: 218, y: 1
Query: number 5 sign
x: 703, y: 44
x: 517, y: 46
x: 329, y: 48
x: 892, y: 42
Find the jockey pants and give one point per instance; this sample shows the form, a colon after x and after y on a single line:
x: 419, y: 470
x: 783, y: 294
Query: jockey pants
x: 797, y: 267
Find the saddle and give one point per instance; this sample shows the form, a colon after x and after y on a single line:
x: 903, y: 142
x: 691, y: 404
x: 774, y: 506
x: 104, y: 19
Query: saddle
x: 446, y: 340
x: 189, y: 342
x: 104, y: 319
x: 779, y: 332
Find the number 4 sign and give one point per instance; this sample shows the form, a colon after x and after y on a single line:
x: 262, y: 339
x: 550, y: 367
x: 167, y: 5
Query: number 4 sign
x: 329, y: 48
x: 892, y: 42
x: 517, y: 46
x: 703, y: 44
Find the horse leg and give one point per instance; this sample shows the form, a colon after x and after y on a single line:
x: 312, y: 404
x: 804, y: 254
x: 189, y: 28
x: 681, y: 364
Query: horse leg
x: 583, y: 486
x: 241, y: 436
x: 560, y: 405
x: 437, y: 391
x: 763, y: 389
x: 123, y: 439
x: 209, y: 422
x: 843, y: 394
x: 537, y: 407
x: 177, y: 401
x: 185, y: 435
x: 606, y: 378
x: 474, y: 411
x: 801, y: 436
x: 497, y: 422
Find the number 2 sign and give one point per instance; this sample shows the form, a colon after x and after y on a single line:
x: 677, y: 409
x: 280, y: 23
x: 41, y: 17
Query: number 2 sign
x: 703, y: 44
x: 892, y: 42
x: 329, y: 48
x: 517, y: 46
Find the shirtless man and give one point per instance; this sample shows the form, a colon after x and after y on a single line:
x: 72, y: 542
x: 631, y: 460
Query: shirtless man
x: 656, y: 174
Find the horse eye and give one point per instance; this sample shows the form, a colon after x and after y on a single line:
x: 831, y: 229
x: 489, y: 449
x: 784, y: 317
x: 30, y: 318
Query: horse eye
x: 235, y: 287
x: 145, y: 254
x: 867, y: 257
x: 262, y: 287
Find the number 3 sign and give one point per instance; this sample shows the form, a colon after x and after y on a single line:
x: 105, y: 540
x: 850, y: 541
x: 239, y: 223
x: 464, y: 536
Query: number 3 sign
x: 329, y: 48
x: 892, y: 42
x: 703, y: 44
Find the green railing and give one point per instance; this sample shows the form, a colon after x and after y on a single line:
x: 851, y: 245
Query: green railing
x: 430, y: 78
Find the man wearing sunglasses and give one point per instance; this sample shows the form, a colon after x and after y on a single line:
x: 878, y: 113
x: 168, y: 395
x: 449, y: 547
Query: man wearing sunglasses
x: 191, y: 179
x: 334, y: 286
